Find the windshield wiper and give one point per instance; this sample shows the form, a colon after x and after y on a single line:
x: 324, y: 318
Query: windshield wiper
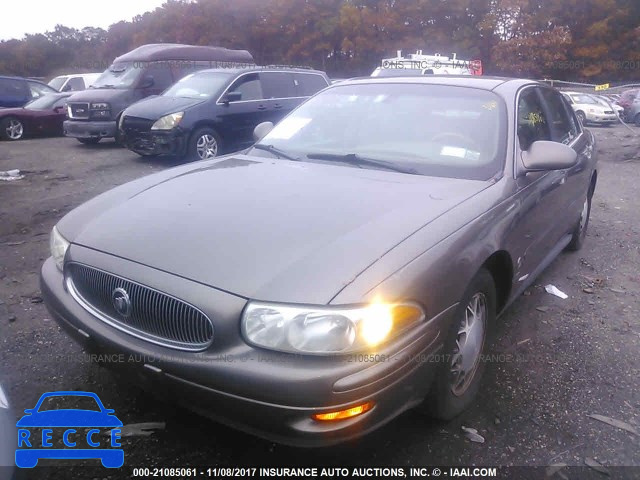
x: 357, y: 160
x: 275, y: 151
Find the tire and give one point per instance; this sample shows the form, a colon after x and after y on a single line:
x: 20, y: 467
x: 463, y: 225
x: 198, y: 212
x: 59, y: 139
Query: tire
x: 580, y: 231
x: 205, y: 143
x: 89, y: 141
x: 451, y: 393
x: 581, y: 116
x: 11, y: 128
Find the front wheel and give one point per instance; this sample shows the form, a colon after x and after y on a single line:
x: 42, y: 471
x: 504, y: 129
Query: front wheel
x: 458, y: 377
x: 11, y: 129
x: 580, y: 231
x: 204, y: 143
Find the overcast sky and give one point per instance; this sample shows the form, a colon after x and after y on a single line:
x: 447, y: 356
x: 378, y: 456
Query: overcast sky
x: 38, y: 16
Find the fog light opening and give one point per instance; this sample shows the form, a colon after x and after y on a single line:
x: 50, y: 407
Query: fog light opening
x: 343, y: 414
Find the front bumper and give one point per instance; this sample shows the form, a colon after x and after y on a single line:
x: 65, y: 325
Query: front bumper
x: 603, y: 118
x: 158, y: 142
x: 268, y: 394
x: 90, y: 129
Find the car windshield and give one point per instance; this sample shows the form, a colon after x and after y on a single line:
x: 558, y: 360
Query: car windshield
x: 67, y: 402
x: 434, y: 130
x: 199, y: 85
x: 588, y: 99
x: 42, y: 103
x: 57, y: 83
x: 119, y: 76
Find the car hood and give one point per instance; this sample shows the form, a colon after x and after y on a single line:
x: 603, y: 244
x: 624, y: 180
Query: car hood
x: 100, y: 95
x: 155, y: 107
x: 266, y: 229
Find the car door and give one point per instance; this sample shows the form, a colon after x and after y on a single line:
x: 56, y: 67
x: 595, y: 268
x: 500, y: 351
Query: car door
x: 237, y: 119
x: 53, y: 118
x: 529, y: 236
x: 565, y: 128
x: 280, y: 94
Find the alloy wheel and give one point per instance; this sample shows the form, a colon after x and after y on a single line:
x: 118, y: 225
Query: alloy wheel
x: 469, y: 343
x: 206, y: 146
x: 14, y: 129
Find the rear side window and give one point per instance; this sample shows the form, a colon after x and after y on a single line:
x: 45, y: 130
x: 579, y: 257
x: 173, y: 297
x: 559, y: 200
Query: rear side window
x: 13, y: 88
x: 249, y: 86
x: 37, y: 90
x: 278, y: 85
x: 532, y: 122
x: 563, y: 128
x: 308, y: 84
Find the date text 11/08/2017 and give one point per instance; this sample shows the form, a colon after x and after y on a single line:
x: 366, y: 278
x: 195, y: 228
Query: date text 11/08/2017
x: 339, y: 472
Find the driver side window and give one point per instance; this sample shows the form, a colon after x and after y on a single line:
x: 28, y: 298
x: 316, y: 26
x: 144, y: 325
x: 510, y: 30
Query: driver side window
x: 532, y: 123
x: 249, y: 86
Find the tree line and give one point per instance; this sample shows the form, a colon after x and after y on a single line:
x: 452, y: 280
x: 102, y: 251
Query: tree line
x: 585, y: 40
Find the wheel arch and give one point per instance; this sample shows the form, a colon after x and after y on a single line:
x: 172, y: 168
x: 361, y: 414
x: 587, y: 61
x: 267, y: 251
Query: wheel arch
x: 500, y: 266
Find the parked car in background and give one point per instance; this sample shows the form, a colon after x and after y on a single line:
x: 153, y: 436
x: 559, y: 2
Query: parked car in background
x: 17, y: 91
x: 626, y: 100
x: 8, y: 437
x: 590, y: 110
x: 74, y: 83
x: 215, y: 111
x: 350, y: 265
x: 42, y: 116
x: 608, y: 102
x: 147, y: 70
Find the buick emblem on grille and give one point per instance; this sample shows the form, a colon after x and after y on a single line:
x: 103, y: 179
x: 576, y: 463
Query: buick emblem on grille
x: 121, y: 302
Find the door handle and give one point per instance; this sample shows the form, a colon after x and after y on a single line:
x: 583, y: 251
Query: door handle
x: 261, y: 107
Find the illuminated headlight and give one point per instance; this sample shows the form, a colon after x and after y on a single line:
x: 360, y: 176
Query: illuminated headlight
x: 58, y: 246
x: 326, y: 330
x: 100, y: 106
x: 168, y: 121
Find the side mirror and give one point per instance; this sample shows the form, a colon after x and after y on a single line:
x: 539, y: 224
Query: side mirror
x: 261, y: 130
x: 544, y: 155
x: 147, y: 82
x: 232, y: 97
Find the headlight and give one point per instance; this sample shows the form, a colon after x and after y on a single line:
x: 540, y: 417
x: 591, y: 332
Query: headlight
x: 326, y: 330
x: 4, y: 403
x: 168, y: 121
x: 100, y: 106
x: 58, y: 246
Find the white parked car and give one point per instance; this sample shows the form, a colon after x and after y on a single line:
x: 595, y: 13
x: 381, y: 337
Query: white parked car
x: 607, y: 102
x: 590, y: 110
x: 74, y: 83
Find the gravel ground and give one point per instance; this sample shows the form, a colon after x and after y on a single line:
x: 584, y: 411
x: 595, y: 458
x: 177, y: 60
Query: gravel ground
x: 554, y: 361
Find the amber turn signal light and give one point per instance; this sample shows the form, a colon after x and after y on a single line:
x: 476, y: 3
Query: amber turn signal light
x: 343, y: 414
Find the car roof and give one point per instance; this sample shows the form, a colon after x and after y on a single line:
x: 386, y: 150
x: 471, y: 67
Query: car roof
x: 473, y: 81
x: 256, y: 68
x: 176, y: 51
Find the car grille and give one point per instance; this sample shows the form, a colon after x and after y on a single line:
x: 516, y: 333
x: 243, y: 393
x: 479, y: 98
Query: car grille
x: 608, y: 112
x: 135, y: 124
x: 152, y: 315
x: 78, y: 110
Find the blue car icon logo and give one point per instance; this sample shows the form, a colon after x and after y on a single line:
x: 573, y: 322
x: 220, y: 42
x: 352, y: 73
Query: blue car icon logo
x: 52, y: 430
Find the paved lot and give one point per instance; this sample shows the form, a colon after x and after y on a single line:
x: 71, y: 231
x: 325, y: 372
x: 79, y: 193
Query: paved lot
x: 555, y: 361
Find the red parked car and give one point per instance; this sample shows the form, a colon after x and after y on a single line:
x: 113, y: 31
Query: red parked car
x: 41, y: 116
